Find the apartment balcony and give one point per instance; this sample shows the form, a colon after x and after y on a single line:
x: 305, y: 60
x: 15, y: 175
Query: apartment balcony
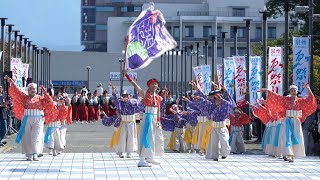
x: 223, y: 12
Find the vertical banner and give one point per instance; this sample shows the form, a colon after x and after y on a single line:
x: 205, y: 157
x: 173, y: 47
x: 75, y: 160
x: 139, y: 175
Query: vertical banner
x: 228, y: 80
x: 240, y: 77
x: 199, y: 77
x: 301, y: 60
x: 275, y: 70
x: 220, y: 73
x: 254, y: 78
x: 206, y: 73
x: 25, y: 71
x: 16, y: 69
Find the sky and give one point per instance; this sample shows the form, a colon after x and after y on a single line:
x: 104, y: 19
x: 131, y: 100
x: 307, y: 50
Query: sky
x: 54, y: 24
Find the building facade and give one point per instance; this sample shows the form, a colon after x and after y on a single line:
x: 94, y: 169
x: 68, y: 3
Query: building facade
x: 95, y: 15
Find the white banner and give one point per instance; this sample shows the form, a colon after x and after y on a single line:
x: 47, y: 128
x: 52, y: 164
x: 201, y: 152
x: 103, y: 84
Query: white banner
x: 228, y: 80
x: 115, y: 76
x: 25, y: 71
x: 199, y: 77
x: 206, y: 73
x: 129, y: 89
x: 275, y: 70
x: 16, y: 69
x: 254, y: 78
x: 220, y: 73
x: 301, y: 60
x: 240, y: 77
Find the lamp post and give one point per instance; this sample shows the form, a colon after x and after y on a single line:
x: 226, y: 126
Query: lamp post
x: 33, y: 62
x: 25, y: 42
x: 44, y: 64
x: 9, y: 45
x: 181, y: 80
x: 168, y: 60
x: 213, y: 39
x: 172, y: 84
x: 88, y: 76
x: 235, y: 37
x: 286, y: 45
x: 49, y: 71
x: 164, y: 69
x: 121, y: 75
x: 37, y: 68
x: 264, y: 42
x: 20, y: 44
x: 198, y: 44
x: 15, y: 43
x: 185, y: 70
x: 41, y: 66
x: 310, y: 2
x: 246, y: 127
x: 223, y: 42
x: 206, y: 51
x: 161, y: 74
x: 176, y: 83
x: 3, y: 23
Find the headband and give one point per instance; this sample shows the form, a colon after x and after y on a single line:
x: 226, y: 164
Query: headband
x: 293, y: 87
x: 152, y: 81
x: 32, y: 85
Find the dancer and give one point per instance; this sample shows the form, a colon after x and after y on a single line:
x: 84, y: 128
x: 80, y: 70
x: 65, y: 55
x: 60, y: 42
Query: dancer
x: 295, y: 109
x: 96, y: 105
x: 236, y: 139
x: 66, y: 119
x: 74, y: 100
x: 218, y: 108
x: 31, y: 109
x: 151, y: 138
x: 104, y: 103
x: 127, y: 131
x: 91, y: 111
x: 82, y: 107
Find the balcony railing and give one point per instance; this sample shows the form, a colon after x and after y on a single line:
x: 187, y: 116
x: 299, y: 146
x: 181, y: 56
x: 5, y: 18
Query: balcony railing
x: 220, y: 13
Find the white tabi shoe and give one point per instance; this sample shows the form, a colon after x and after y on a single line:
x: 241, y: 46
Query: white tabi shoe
x: 144, y: 164
x: 81, y: 122
x: 35, y: 157
x: 121, y: 155
x: 129, y: 155
x: 152, y: 161
x: 50, y: 152
x: 29, y: 158
x: 54, y: 153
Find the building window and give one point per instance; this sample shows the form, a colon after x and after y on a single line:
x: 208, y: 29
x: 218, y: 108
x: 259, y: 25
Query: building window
x: 176, y: 32
x: 100, y: 27
x: 105, y: 9
x: 219, y: 52
x: 241, y: 51
x: 272, y: 32
x: 88, y: 33
x: 124, y: 9
x: 207, y: 31
x: 238, y: 12
x: 169, y: 29
x: 117, y: 1
x: 258, y: 33
x: 242, y: 32
x: 137, y: 8
x: 88, y: 2
x: 209, y: 51
x: 219, y: 30
x: 188, y: 31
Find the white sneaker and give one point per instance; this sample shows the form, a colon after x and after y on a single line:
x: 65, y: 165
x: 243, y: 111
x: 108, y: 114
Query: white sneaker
x: 129, y: 155
x: 201, y: 153
x: 50, y: 152
x: 35, y: 157
x: 152, y: 161
x: 144, y: 164
x: 77, y: 122
x: 29, y: 158
x: 86, y: 122
x: 54, y: 153
x: 81, y: 122
x: 121, y: 155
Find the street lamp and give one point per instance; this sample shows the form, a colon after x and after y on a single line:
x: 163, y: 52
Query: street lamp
x: 223, y: 35
x: 25, y: 50
x: 206, y: 51
x: 235, y: 37
x: 3, y: 23
x: 213, y: 39
x: 20, y: 44
x: 181, y: 84
x: 264, y: 13
x: 185, y: 70
x: 88, y: 76
x: 172, y: 83
x: 121, y: 60
x: 33, y: 62
x: 164, y: 69
x: 176, y: 83
x: 198, y: 44
x: 161, y: 74
x: 286, y: 45
x: 15, y: 43
x: 9, y: 45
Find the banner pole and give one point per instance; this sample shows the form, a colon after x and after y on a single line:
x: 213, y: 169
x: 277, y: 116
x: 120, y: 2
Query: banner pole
x: 123, y: 66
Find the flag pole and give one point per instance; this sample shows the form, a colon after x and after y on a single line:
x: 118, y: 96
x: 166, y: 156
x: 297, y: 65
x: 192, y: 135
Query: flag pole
x: 123, y: 66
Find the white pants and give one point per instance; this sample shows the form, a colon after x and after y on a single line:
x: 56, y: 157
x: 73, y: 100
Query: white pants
x: 55, y: 141
x: 281, y: 138
x: 270, y: 149
x: 32, y: 139
x: 63, y: 132
x: 218, y: 136
x: 155, y: 139
x: 179, y: 141
x: 296, y: 150
x: 237, y: 143
x: 128, y: 137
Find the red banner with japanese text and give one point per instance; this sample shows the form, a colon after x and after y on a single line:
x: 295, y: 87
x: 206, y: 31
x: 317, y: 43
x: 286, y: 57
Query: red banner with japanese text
x: 275, y: 68
x: 240, y: 77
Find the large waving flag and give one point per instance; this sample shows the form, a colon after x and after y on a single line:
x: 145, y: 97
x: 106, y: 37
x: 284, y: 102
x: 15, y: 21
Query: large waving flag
x: 148, y: 39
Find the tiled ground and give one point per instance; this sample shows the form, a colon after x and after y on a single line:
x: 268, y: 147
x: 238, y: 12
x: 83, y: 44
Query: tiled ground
x: 173, y: 166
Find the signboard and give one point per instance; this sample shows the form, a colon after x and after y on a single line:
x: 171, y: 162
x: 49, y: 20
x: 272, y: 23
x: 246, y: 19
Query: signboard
x: 254, y: 78
x: 240, y: 77
x: 275, y: 70
x: 69, y: 83
x: 115, y: 76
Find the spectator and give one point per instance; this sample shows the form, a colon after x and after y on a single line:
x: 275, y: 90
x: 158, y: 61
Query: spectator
x: 85, y: 90
x: 3, y: 117
x: 50, y: 90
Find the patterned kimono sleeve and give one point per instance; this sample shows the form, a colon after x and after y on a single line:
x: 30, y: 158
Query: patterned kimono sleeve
x: 167, y: 122
x: 308, y: 106
x: 19, y: 100
x: 163, y: 106
x: 203, y: 105
x: 276, y: 102
x: 192, y: 116
x: 50, y: 110
x: 180, y: 120
x: 117, y: 103
x: 108, y: 121
x: 245, y: 119
x: 199, y: 93
x: 261, y: 113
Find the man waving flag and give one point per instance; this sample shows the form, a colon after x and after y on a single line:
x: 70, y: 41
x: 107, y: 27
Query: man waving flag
x: 148, y: 39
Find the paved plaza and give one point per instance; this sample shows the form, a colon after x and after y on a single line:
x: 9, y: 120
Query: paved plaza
x: 173, y: 166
